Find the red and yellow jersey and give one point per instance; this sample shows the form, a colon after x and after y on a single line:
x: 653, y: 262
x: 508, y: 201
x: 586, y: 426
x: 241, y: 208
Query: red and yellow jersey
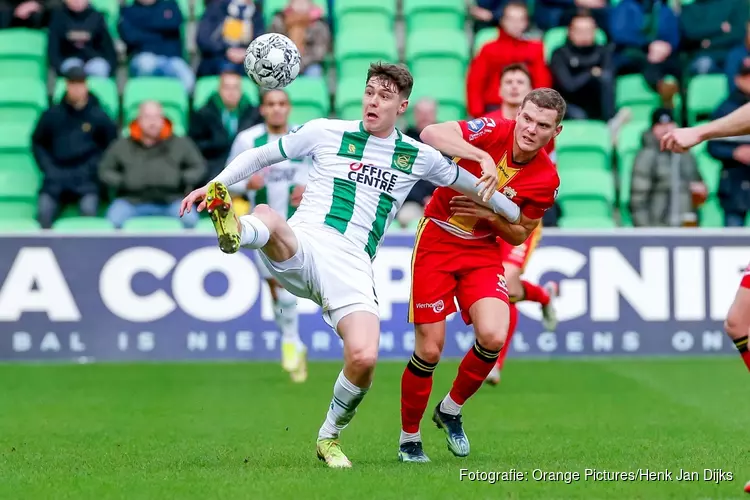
x: 532, y: 185
x: 519, y: 255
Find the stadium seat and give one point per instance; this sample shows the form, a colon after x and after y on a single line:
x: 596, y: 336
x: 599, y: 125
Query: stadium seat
x: 586, y: 222
x: 704, y: 94
x: 434, y: 54
x: 22, y: 100
x: 555, y: 38
x: 168, y: 91
x: 628, y: 144
x: 711, y: 214
x: 586, y: 192
x: 710, y: 170
x: 349, y: 92
x: 18, y: 193
x: 205, y: 225
x: 584, y: 144
x: 83, y: 225
x: 356, y: 49
x: 105, y: 90
x: 9, y: 226
x: 449, y: 92
x: 206, y: 86
x: 153, y: 224
x: 483, y: 37
x: 633, y: 92
x: 15, y: 150
x: 23, y: 53
x: 111, y: 11
x: 434, y: 14
x: 377, y: 16
x: 309, y: 98
x: 271, y: 7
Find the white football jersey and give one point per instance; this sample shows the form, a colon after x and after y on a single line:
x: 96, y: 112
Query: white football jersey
x: 357, y: 182
x: 278, y: 180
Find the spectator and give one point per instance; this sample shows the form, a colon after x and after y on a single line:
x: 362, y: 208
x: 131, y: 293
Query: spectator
x: 151, y: 30
x: 583, y: 72
x: 78, y: 36
x: 652, y: 188
x: 647, y: 47
x: 302, y: 21
x: 224, y: 32
x: 25, y: 13
x: 552, y: 13
x: 151, y: 170
x: 214, y: 127
x: 734, y: 154
x: 68, y: 142
x: 487, y: 13
x: 425, y: 113
x: 483, y: 78
x: 711, y: 28
x: 736, y: 58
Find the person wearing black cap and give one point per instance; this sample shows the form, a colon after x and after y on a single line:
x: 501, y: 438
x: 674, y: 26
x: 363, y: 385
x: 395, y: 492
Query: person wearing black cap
x: 68, y: 141
x: 734, y: 154
x: 651, y: 189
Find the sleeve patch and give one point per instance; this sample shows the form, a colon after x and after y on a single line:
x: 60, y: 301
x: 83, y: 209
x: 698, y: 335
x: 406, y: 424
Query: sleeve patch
x: 476, y: 125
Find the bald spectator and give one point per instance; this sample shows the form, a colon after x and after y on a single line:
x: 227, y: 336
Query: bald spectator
x: 151, y: 170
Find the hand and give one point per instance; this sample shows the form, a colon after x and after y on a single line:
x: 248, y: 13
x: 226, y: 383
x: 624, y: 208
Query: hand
x: 199, y: 195
x: 466, y: 207
x: 489, y: 180
x: 680, y: 140
x: 596, y: 71
x: 742, y: 154
x: 480, y: 13
x: 256, y: 182
x: 25, y: 9
x: 296, y: 197
x: 590, y: 4
x: 236, y: 55
x: 658, y: 51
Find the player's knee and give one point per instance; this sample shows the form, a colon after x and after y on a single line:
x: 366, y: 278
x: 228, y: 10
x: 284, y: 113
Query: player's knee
x: 492, y: 337
x: 430, y: 351
x: 734, y: 326
x: 266, y: 215
x: 363, y: 360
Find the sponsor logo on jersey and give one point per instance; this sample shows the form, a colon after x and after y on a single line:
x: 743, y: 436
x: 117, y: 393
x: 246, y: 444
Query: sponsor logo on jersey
x: 372, y: 176
x: 435, y: 306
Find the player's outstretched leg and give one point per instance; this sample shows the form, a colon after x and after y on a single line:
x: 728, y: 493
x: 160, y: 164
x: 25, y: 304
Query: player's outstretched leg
x: 416, y: 386
x: 360, y: 331
x: 490, y: 319
x: 737, y: 324
x: 293, y: 351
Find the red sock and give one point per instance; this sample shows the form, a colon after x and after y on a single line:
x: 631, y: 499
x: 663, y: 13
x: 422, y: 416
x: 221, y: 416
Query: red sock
x: 742, y: 346
x: 511, y: 331
x: 746, y: 359
x: 535, y: 293
x: 472, y: 371
x: 416, y: 385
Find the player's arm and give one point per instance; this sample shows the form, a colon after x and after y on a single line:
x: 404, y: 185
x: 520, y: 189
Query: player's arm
x: 735, y: 123
x: 514, y: 233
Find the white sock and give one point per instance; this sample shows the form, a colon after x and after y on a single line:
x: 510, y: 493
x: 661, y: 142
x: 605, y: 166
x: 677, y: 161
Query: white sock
x: 449, y: 406
x: 254, y: 233
x: 346, y: 398
x: 287, y: 319
x: 410, y: 437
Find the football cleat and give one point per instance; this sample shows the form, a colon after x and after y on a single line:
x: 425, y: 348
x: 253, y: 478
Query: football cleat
x: 290, y: 355
x: 299, y: 374
x: 329, y: 451
x: 412, y: 452
x: 458, y: 443
x: 493, y: 378
x: 549, y: 315
x: 226, y: 224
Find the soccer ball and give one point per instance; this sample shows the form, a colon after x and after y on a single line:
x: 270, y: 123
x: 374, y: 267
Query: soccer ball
x: 272, y: 61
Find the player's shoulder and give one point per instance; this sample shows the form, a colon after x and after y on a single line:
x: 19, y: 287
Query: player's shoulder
x: 491, y: 123
x: 425, y: 153
x: 546, y: 168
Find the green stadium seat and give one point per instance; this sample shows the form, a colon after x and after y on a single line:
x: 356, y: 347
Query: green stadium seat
x: 23, y: 53
x: 105, y: 90
x: 584, y: 144
x: 586, y: 222
x: 271, y: 7
x: 356, y: 49
x: 628, y: 144
x: 18, y: 193
x: 711, y: 214
x: 110, y: 9
x: 199, y: 7
x: 349, y: 92
x: 22, y: 100
x: 483, y: 37
x: 309, y: 98
x: 83, y: 225
x: 434, y: 14
x: 375, y: 16
x: 633, y: 92
x: 704, y: 94
x: 206, y: 86
x: 153, y: 224
x: 586, y: 192
x: 205, y: 225
x: 15, y: 150
x: 9, y: 226
x: 555, y: 38
x: 168, y: 91
x: 710, y: 170
x: 432, y: 54
x: 449, y: 93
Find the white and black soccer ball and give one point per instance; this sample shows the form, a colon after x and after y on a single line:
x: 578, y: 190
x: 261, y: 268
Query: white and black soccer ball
x: 272, y: 61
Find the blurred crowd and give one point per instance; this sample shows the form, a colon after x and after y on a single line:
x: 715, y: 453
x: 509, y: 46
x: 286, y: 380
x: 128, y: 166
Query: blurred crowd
x: 142, y: 168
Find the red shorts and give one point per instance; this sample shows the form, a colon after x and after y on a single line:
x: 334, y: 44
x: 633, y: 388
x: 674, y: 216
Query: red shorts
x: 519, y: 256
x: 446, y: 267
x: 745, y: 283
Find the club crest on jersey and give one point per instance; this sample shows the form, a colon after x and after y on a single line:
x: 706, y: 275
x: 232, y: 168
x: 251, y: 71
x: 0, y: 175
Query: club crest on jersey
x: 509, y: 192
x: 352, y: 149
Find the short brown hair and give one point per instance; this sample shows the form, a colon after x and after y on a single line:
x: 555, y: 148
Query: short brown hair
x: 516, y: 67
x: 397, y: 75
x: 547, y: 99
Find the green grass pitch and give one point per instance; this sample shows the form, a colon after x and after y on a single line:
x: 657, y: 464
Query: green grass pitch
x: 203, y: 431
